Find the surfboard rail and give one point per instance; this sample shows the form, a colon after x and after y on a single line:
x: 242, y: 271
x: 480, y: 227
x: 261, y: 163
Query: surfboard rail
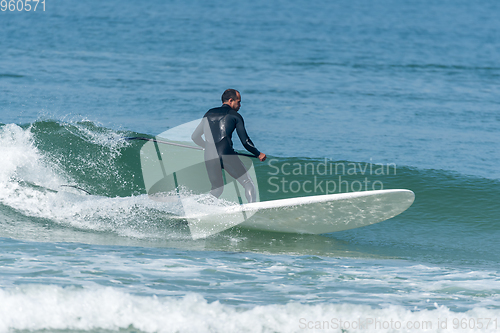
x: 305, y: 215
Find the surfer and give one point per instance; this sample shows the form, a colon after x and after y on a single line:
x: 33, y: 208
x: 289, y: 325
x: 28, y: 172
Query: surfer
x: 218, y: 125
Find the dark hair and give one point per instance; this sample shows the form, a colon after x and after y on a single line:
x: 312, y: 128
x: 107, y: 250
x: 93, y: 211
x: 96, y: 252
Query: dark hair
x: 229, y: 94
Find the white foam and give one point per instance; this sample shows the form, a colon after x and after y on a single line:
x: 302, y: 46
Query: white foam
x: 105, y: 137
x: 38, y: 307
x: 21, y: 159
x: 29, y: 181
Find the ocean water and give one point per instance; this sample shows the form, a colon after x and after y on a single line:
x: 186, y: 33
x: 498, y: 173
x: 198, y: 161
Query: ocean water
x: 385, y: 94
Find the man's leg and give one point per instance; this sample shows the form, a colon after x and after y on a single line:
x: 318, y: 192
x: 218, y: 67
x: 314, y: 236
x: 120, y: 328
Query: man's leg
x: 214, y: 170
x: 234, y: 166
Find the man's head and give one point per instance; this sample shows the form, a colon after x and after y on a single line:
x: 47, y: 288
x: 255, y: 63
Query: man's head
x: 232, y: 98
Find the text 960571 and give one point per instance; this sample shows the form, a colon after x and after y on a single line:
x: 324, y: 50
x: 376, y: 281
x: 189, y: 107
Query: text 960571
x: 22, y: 5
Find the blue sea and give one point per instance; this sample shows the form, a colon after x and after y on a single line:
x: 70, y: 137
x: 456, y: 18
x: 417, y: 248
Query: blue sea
x: 401, y: 94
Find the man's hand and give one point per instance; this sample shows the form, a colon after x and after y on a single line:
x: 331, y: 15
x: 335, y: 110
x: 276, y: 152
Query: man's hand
x: 262, y: 157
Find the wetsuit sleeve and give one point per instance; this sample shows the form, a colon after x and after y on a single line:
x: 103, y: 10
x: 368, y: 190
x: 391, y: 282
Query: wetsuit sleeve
x: 245, y: 140
x: 198, y: 132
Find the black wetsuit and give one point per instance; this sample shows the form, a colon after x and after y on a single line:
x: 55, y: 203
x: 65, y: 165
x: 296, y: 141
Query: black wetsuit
x: 217, y: 126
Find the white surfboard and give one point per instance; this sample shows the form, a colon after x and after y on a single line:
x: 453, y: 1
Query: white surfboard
x: 305, y: 215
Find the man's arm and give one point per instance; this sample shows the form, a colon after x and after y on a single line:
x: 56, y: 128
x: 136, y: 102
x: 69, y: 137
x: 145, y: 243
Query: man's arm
x: 245, y: 140
x: 198, y: 132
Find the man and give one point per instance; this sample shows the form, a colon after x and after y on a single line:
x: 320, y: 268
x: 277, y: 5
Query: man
x: 218, y: 126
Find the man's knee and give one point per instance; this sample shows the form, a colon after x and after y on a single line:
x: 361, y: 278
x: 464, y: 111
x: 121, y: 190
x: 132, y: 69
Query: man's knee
x: 250, y: 192
x: 217, y: 191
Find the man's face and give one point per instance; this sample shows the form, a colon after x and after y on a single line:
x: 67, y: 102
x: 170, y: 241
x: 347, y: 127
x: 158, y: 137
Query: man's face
x: 235, y: 104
